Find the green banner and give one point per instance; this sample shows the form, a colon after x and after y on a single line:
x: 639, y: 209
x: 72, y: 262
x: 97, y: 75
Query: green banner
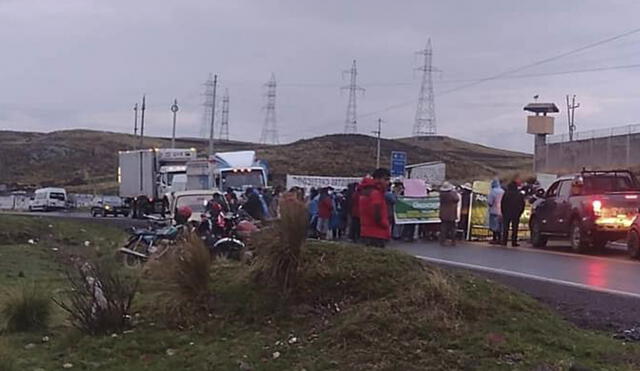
x: 479, y: 215
x: 417, y: 210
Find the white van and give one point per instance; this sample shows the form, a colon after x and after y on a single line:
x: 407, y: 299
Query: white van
x: 46, y: 199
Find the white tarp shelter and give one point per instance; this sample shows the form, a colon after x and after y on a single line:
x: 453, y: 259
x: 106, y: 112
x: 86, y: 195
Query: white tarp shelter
x: 433, y: 172
x: 309, y: 181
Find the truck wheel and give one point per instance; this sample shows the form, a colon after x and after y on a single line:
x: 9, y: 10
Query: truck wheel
x: 537, y: 239
x: 633, y: 244
x: 579, y: 240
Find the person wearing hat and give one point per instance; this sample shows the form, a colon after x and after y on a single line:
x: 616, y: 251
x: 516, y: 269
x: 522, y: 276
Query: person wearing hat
x: 449, y: 199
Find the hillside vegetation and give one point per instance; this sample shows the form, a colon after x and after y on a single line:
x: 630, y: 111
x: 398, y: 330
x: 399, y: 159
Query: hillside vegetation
x: 352, y: 308
x: 87, y: 160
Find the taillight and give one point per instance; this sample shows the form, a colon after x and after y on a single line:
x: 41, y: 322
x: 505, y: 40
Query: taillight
x: 597, y: 206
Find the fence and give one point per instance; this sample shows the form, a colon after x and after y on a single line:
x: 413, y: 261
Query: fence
x: 592, y: 134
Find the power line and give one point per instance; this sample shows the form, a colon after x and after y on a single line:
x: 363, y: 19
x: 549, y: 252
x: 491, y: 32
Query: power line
x: 545, y: 60
x: 523, y: 76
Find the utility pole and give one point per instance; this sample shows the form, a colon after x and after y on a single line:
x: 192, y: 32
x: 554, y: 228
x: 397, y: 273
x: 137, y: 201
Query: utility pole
x: 174, y: 109
x: 224, y: 120
x: 213, y: 115
x: 135, y: 124
x: 378, y: 133
x: 142, y: 121
x: 351, y: 120
x: 270, y: 127
x: 571, y: 114
x: 425, y: 121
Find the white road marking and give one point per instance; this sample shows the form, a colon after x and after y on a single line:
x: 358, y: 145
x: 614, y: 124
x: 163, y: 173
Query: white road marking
x: 561, y: 253
x: 528, y: 276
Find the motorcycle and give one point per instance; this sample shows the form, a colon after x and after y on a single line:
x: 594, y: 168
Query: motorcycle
x: 144, y: 243
x: 225, y: 235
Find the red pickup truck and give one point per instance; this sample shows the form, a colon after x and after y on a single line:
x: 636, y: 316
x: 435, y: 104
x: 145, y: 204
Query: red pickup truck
x: 590, y: 209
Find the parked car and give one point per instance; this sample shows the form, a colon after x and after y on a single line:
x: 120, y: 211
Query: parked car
x: 590, y: 209
x: 109, y: 205
x: 196, y: 200
x: 46, y: 199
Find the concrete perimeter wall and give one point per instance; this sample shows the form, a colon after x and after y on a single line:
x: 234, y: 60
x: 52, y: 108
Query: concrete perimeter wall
x: 615, y: 151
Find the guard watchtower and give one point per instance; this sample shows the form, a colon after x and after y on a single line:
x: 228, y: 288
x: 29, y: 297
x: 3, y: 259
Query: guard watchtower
x: 540, y: 125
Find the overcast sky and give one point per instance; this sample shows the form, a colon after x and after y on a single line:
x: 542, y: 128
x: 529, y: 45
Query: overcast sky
x: 83, y: 63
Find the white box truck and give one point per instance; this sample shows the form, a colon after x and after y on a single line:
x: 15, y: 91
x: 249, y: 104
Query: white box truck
x: 147, y: 176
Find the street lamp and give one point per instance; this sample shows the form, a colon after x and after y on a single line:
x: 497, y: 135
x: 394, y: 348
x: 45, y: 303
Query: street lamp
x: 174, y: 109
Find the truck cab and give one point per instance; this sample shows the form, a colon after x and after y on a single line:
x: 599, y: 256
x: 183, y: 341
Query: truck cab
x: 237, y: 170
x: 589, y: 209
x: 240, y: 170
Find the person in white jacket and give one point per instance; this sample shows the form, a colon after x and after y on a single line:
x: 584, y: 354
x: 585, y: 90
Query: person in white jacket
x: 495, y: 213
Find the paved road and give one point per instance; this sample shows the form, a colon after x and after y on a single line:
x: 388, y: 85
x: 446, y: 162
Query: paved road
x: 612, y: 273
x: 81, y: 215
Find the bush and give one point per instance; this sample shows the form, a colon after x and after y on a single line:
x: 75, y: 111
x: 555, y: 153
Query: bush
x: 186, y: 283
x: 27, y: 309
x: 100, y: 298
x: 279, y: 247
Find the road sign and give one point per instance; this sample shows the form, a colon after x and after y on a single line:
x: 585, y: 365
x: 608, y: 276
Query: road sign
x: 398, y: 163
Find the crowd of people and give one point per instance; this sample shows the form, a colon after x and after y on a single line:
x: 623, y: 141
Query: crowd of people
x: 364, y: 211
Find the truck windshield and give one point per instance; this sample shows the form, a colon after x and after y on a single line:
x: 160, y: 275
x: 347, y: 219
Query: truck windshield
x: 57, y: 196
x: 176, y: 176
x: 242, y: 179
x: 609, y: 183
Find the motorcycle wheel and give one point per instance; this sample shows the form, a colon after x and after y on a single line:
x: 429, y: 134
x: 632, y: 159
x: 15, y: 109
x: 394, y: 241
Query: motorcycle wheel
x: 133, y: 261
x: 229, y: 250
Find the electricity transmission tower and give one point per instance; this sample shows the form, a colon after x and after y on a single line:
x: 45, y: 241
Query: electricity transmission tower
x: 270, y: 129
x: 351, y: 121
x: 571, y: 115
x: 208, y: 105
x: 224, y: 120
x: 425, y: 122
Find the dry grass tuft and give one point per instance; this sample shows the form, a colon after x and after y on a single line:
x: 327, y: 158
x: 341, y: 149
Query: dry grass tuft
x: 279, y: 247
x: 186, y: 294
x: 100, y: 298
x: 27, y: 309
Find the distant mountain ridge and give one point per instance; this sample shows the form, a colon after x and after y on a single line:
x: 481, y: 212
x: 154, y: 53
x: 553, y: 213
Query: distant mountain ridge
x: 86, y: 160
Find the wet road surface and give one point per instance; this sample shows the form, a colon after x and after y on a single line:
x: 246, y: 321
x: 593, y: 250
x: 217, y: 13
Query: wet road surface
x: 611, y: 272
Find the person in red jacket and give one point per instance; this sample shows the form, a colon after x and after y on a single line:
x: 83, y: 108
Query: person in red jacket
x: 325, y: 208
x: 374, y: 214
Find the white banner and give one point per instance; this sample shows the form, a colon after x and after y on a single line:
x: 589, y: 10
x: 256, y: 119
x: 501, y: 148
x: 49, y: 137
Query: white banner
x: 308, y: 181
x: 431, y: 172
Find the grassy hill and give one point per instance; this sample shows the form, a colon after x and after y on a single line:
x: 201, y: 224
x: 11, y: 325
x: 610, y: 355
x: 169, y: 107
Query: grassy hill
x: 86, y: 160
x: 353, y: 308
